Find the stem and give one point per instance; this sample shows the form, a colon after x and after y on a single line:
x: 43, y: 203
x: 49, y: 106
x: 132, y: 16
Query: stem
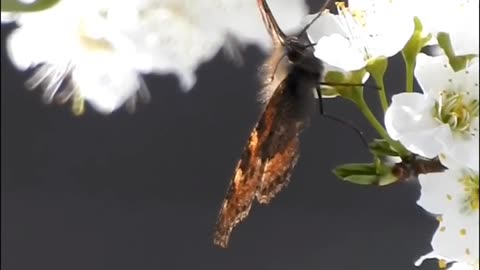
x: 377, y: 68
x: 410, y: 169
x: 363, y: 106
x: 409, y: 68
x: 382, y: 93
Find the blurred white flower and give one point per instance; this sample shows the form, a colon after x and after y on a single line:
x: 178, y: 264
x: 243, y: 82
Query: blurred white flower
x: 80, y: 51
x: 179, y: 35
x: 453, y: 196
x: 362, y: 32
x: 241, y: 19
x: 458, y: 18
x: 463, y: 26
x: 444, y: 119
x: 104, y: 45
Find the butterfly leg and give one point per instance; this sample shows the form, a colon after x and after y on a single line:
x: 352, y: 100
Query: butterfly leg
x: 350, y: 125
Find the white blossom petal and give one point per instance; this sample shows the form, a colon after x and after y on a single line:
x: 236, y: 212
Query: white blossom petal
x: 438, y: 191
x: 465, y: 151
x: 80, y: 45
x: 336, y: 51
x: 364, y: 31
x: 453, y: 196
x: 408, y: 119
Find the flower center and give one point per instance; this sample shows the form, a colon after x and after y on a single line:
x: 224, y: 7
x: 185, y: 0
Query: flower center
x: 91, y: 38
x: 456, y: 110
x: 470, y: 183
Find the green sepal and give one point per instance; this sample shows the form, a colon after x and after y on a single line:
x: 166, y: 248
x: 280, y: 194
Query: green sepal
x: 411, y: 50
x: 377, y: 67
x: 18, y: 6
x: 366, y: 173
x: 456, y: 62
x: 349, y: 79
x: 416, y: 42
x: 381, y: 147
x: 357, y: 173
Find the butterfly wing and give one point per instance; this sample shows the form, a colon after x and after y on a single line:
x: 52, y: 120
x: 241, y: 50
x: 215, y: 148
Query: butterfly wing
x: 268, y: 158
x: 277, y: 35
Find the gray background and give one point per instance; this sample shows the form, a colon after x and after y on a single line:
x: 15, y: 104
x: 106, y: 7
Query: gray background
x: 143, y: 191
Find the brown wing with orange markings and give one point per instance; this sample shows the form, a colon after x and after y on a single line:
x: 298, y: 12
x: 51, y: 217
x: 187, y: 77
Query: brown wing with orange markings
x: 269, y: 156
x: 277, y: 171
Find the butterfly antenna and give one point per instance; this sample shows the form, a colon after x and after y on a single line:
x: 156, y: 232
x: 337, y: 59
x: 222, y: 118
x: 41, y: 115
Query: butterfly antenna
x: 316, y: 17
x: 339, y: 120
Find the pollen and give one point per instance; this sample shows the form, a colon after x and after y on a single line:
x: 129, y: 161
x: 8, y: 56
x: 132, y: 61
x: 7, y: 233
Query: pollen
x: 442, y: 264
x: 78, y: 105
x: 439, y: 218
x: 463, y: 232
x: 467, y: 251
x: 449, y: 197
x: 442, y: 229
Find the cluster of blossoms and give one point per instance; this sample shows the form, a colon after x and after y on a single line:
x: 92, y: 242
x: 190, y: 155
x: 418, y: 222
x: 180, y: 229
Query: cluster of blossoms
x: 441, y: 121
x: 98, y: 50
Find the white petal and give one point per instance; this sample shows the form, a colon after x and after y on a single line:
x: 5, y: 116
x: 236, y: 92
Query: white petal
x: 333, y: 45
x: 169, y: 37
x: 465, y: 150
x: 327, y: 24
x: 457, y: 239
x: 105, y: 84
x: 433, y: 74
x: 440, y: 191
x: 444, y: 194
x: 463, y: 27
x: 408, y: 119
x: 388, y: 27
x: 470, y: 79
x: 336, y: 51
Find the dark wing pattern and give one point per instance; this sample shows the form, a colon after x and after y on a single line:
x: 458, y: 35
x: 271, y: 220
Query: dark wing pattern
x: 278, y: 169
x: 268, y: 158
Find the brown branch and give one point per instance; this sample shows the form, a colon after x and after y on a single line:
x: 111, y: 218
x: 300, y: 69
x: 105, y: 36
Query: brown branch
x: 411, y: 168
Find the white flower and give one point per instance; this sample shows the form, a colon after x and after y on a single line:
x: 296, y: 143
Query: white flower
x: 362, y: 32
x: 77, y: 48
x: 453, y: 196
x: 170, y: 36
x: 241, y: 19
x: 179, y: 35
x: 458, y: 18
x: 463, y: 26
x: 148, y: 36
x: 444, y: 119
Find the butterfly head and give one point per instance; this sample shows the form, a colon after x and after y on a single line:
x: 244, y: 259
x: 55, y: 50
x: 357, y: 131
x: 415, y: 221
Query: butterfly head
x: 296, y: 50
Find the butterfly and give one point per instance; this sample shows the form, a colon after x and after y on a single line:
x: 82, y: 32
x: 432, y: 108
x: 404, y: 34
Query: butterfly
x: 272, y: 150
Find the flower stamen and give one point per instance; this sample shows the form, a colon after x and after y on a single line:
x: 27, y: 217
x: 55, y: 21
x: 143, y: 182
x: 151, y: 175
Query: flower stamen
x: 456, y: 110
x: 471, y: 187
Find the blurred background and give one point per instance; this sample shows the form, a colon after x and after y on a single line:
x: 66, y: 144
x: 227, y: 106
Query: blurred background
x: 143, y: 191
